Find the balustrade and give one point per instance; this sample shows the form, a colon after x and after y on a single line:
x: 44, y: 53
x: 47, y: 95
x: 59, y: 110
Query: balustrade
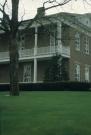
x: 41, y: 51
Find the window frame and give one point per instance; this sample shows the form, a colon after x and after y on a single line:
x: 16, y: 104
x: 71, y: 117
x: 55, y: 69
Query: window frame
x: 27, y: 73
x: 87, y: 73
x: 86, y: 43
x: 77, y: 72
x: 77, y: 41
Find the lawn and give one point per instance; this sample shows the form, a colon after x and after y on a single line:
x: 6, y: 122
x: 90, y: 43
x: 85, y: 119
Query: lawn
x: 46, y: 113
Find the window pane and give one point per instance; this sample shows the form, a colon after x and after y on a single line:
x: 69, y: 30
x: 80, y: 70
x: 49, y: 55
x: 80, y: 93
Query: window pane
x: 77, y: 41
x: 77, y: 72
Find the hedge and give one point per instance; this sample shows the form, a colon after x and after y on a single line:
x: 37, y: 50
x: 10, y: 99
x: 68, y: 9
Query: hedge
x: 53, y: 86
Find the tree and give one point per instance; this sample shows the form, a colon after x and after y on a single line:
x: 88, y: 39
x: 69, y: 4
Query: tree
x: 56, y: 70
x: 52, y: 73
x: 10, y: 26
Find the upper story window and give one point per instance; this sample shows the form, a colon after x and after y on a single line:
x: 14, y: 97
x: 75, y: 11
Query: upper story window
x: 86, y: 45
x: 22, y: 42
x: 52, y: 39
x: 87, y: 22
x: 77, y: 41
x: 87, y: 73
x: 77, y: 72
x: 52, y: 35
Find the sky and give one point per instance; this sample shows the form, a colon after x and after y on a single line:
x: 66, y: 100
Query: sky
x: 28, y: 8
x: 75, y: 6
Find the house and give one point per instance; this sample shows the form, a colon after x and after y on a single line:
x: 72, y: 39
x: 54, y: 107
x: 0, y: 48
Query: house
x: 66, y: 34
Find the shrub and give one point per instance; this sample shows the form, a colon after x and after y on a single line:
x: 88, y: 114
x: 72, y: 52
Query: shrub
x: 56, y: 86
x: 51, y: 86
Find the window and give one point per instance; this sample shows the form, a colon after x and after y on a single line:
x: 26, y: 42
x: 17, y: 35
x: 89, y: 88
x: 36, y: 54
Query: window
x: 87, y: 73
x: 86, y: 43
x: 52, y: 39
x: 87, y: 22
x: 22, y: 42
x: 27, y: 73
x: 52, y: 30
x: 77, y: 72
x: 77, y: 41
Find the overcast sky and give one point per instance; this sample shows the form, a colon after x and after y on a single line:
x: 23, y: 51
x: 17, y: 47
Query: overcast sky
x: 30, y: 7
x: 76, y: 6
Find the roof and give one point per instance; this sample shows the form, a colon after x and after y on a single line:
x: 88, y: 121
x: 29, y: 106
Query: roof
x: 67, y: 18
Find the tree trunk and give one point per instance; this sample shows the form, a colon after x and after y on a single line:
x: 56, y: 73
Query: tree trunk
x: 13, y: 50
x: 14, y: 65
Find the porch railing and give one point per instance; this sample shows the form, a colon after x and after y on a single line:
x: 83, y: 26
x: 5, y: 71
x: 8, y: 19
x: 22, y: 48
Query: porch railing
x: 41, y: 51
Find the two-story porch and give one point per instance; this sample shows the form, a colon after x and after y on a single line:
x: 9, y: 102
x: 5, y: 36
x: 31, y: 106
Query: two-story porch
x: 36, y: 47
x: 32, y: 65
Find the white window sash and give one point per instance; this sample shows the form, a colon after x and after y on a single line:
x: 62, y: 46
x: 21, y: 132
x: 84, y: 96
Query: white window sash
x: 86, y: 45
x: 77, y: 72
x: 52, y: 39
x: 27, y: 73
x: 87, y: 73
x: 77, y: 41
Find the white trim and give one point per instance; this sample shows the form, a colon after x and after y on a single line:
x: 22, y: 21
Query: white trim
x: 77, y: 72
x: 52, y: 35
x: 86, y: 43
x: 27, y: 73
x: 36, y: 41
x: 35, y: 70
x: 35, y: 53
x: 87, y: 70
x: 77, y: 41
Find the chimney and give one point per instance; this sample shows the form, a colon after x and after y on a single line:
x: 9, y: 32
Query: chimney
x: 41, y: 11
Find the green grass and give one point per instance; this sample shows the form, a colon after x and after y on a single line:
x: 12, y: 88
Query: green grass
x: 46, y: 113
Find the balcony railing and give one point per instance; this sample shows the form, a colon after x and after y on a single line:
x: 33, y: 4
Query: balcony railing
x: 26, y: 53
x: 64, y: 51
x: 4, y: 56
x: 46, y: 50
x: 41, y: 51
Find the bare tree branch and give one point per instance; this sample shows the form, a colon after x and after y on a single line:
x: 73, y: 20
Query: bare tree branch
x: 37, y: 16
x: 3, y: 6
x: 58, y: 4
x: 86, y: 1
x: 5, y: 22
x: 23, y: 15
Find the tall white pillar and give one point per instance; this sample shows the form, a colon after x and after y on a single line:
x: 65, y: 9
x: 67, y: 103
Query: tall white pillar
x: 35, y: 53
x: 59, y: 36
x: 35, y: 70
x: 36, y: 41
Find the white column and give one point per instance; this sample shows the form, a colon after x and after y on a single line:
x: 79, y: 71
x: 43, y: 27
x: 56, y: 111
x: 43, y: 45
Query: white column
x: 35, y: 70
x: 59, y: 36
x: 35, y: 53
x: 36, y: 41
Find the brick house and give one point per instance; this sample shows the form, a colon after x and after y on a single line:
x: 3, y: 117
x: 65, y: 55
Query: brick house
x: 66, y: 34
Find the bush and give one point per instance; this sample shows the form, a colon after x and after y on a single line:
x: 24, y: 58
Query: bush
x: 52, y: 86
x: 56, y: 86
x: 4, y: 87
